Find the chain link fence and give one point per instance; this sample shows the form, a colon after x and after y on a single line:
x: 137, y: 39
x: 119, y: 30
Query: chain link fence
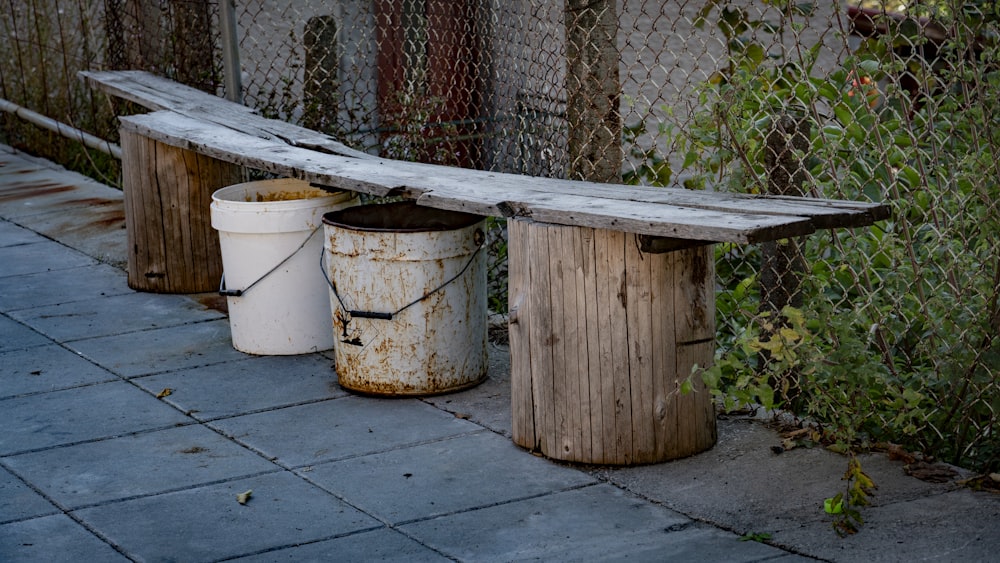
x: 883, y: 334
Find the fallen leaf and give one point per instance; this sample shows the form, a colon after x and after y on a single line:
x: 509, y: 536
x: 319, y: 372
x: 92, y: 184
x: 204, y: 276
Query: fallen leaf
x: 165, y: 393
x: 242, y: 498
x: 462, y: 415
x: 896, y: 452
x: 989, y: 482
x: 930, y: 472
x: 796, y: 433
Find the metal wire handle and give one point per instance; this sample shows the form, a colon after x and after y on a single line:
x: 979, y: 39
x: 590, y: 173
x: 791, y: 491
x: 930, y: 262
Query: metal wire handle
x: 480, y: 238
x: 242, y: 292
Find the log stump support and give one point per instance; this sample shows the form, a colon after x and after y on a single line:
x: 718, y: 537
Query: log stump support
x: 602, y: 334
x: 172, y: 247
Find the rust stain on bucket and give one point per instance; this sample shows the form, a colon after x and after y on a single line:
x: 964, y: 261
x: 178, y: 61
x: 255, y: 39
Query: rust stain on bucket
x: 409, y: 313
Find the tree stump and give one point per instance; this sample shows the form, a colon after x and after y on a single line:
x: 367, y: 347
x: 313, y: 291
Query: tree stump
x: 168, y: 194
x: 602, y: 335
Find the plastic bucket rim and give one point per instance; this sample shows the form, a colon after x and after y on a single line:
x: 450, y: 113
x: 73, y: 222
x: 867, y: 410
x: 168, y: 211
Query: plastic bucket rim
x: 220, y: 197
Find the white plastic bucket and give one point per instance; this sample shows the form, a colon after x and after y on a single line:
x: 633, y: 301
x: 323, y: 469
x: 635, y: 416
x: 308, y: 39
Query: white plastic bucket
x: 271, y: 237
x: 408, y: 294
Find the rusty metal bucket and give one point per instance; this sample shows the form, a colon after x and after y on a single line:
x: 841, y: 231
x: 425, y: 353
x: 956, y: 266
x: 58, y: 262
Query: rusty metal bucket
x: 408, y: 295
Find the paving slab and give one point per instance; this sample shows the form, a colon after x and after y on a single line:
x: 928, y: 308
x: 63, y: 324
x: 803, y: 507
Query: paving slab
x: 379, y: 545
x: 18, y: 501
x: 207, y: 523
x: 45, y: 368
x: 782, y: 495
x: 159, y: 350
x: 37, y: 257
x: 74, y: 284
x: 16, y: 336
x: 53, y: 539
x: 117, y: 314
x: 14, y: 235
x: 64, y: 205
x: 595, y: 523
x: 254, y: 384
x: 32, y: 190
x: 138, y: 465
x: 960, y: 525
x: 341, y: 428
x: 84, y: 413
x: 451, y: 475
x: 488, y: 403
x: 85, y: 226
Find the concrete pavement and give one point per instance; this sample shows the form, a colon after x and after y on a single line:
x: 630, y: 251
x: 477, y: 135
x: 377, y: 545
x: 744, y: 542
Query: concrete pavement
x: 130, y: 425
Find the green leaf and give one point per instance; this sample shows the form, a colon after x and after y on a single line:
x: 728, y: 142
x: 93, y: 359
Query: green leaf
x: 699, y: 20
x: 690, y: 158
x: 869, y: 66
x: 686, y: 387
x: 844, y: 114
x: 828, y: 91
x: 806, y: 8
x: 910, y: 177
x: 755, y: 53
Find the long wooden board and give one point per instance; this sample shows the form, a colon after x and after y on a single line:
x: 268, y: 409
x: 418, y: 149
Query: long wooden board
x: 158, y: 93
x: 476, y: 192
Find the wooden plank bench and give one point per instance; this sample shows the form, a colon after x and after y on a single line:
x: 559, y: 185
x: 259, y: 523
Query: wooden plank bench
x: 611, y: 287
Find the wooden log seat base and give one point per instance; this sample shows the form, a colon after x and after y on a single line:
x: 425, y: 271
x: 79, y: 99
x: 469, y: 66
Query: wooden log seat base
x: 602, y: 335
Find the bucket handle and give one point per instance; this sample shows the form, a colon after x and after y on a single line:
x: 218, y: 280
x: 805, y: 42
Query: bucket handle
x: 241, y: 292
x: 480, y: 238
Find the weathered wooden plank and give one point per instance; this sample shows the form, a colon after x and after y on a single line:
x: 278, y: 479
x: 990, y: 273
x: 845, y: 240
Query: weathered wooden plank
x: 156, y: 93
x: 582, y: 364
x: 591, y: 293
x: 605, y: 331
x: 616, y: 280
x: 826, y: 213
x: 664, y: 356
x: 696, y: 423
x: 694, y: 325
x: 381, y: 177
x: 556, y: 291
x: 564, y: 315
x: 159, y: 93
x: 639, y: 314
x: 135, y: 148
x: 542, y: 338
x: 694, y: 299
x: 522, y: 403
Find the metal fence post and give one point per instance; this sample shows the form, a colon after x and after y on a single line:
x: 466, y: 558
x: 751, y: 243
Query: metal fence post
x: 230, y: 51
